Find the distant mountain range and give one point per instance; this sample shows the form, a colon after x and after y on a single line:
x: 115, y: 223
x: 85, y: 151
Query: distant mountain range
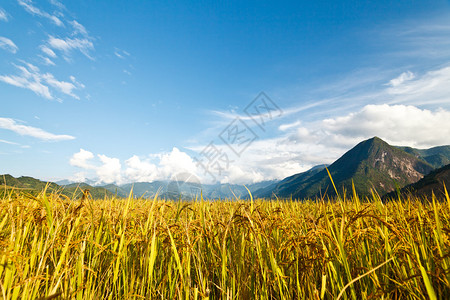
x: 165, y: 189
x: 186, y: 190
x: 372, y: 164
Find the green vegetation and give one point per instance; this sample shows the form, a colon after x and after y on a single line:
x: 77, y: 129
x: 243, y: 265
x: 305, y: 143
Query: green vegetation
x: 154, y: 249
x: 35, y: 186
x: 436, y: 156
x: 432, y: 184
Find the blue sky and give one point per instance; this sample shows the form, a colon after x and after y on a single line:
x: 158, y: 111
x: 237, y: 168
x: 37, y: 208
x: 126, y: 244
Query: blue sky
x: 142, y: 90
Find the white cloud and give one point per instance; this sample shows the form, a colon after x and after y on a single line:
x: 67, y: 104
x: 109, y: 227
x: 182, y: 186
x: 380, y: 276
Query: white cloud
x: 433, y: 87
x: 396, y: 124
x: 175, y: 162
x: 284, y: 127
x: 76, y: 82
x: 67, y: 45
x: 63, y: 86
x: 31, y: 78
x: 3, y: 15
x: 58, y: 4
x: 11, y: 124
x: 107, y: 169
x: 266, y: 159
x: 8, y: 45
x: 30, y: 8
x: 405, y: 76
x: 81, y: 158
x: 78, y: 177
x: 46, y: 61
x: 78, y: 28
x: 48, y: 51
x: 28, y: 79
x: 140, y: 170
x: 239, y: 175
x: 110, y: 170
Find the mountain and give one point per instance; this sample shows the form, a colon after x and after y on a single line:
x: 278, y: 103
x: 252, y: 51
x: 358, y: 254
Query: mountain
x: 26, y: 183
x: 370, y: 164
x: 431, y: 183
x: 173, y: 189
x: 231, y: 191
x: 70, y: 182
x: 436, y: 156
x: 34, y: 186
x: 188, y: 190
x: 143, y: 189
x: 64, y: 182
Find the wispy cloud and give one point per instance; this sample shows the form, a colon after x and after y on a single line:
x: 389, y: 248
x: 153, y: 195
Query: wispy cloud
x: 11, y: 124
x: 30, y: 8
x: 3, y: 15
x: 46, y: 61
x: 62, y: 86
x: 15, y: 144
x: 424, y: 39
x: 28, y: 80
x: 68, y: 45
x: 284, y: 127
x: 287, y: 112
x: 31, y: 78
x: 121, y: 53
x: 8, y: 45
x: 430, y: 88
x: 9, y: 143
x: 78, y: 28
x: 48, y: 51
x: 58, y: 4
x: 427, y: 89
x: 405, y: 76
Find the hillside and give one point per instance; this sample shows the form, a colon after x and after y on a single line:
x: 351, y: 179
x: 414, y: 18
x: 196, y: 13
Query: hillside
x: 436, y: 156
x: 35, y: 186
x: 370, y: 164
x: 26, y: 183
x: 431, y: 183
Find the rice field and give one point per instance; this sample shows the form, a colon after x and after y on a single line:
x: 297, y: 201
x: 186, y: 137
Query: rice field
x: 52, y: 247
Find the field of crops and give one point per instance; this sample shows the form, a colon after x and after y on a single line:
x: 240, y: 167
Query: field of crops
x: 56, y: 248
